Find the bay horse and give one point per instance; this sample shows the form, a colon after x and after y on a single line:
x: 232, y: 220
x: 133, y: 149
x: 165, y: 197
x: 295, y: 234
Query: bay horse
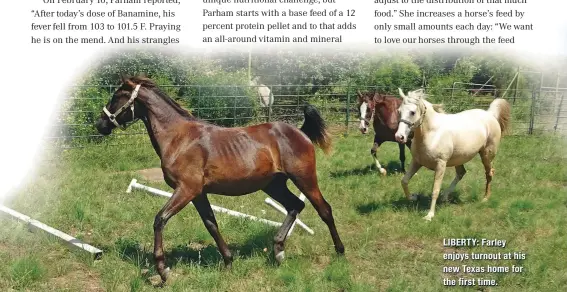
x: 383, y: 110
x: 450, y: 140
x: 198, y: 158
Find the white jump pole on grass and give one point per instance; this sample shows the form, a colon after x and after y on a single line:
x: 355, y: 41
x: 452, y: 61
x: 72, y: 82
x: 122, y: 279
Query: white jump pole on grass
x: 271, y: 202
x: 134, y: 184
x: 34, y: 224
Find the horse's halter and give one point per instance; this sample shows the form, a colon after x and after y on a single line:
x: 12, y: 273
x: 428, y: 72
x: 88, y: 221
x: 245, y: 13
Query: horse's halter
x: 129, y: 103
x: 412, y: 125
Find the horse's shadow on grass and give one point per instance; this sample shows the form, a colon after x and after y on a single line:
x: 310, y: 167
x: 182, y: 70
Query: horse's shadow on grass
x: 391, y: 167
x: 142, y: 257
x: 404, y: 205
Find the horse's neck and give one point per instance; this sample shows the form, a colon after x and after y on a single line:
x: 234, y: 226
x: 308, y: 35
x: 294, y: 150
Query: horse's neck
x: 428, y: 123
x: 160, y: 118
x: 153, y: 138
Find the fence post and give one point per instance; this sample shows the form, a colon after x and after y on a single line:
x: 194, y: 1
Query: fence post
x: 199, y: 101
x: 559, y: 112
x: 234, y: 108
x: 517, y: 86
x: 532, y: 112
x: 269, y: 109
x: 347, y: 118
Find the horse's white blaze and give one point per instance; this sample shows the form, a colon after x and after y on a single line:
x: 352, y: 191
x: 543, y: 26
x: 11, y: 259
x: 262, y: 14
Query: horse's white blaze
x: 363, y: 109
x: 448, y: 140
x: 406, y: 109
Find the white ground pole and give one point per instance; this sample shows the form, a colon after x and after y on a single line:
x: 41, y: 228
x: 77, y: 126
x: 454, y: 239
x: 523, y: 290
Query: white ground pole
x: 134, y: 184
x: 274, y: 204
x: 34, y: 224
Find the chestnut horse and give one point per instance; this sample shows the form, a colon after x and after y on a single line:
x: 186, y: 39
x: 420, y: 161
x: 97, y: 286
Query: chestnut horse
x: 384, y: 110
x: 198, y: 158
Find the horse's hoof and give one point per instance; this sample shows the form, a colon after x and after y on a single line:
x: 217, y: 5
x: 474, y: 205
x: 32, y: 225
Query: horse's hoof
x: 413, y: 198
x: 484, y: 200
x: 427, y: 217
x: 280, y: 256
x: 383, y: 171
x: 340, y: 250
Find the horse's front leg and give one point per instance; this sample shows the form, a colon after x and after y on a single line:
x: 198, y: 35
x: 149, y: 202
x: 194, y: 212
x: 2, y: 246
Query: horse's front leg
x: 414, y: 167
x: 182, y: 195
x: 439, y: 173
x: 402, y: 148
x: 373, y: 152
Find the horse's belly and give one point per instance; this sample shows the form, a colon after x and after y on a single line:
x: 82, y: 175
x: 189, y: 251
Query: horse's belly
x: 242, y: 176
x: 238, y: 187
x: 460, y: 159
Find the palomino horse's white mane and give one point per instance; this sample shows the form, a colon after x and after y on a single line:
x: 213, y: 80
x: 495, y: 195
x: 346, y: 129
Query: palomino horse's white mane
x: 414, y: 96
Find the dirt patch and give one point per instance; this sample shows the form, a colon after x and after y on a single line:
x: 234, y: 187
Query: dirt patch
x: 86, y: 280
x: 151, y: 174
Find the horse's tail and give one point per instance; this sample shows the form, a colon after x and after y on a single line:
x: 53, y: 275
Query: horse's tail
x: 500, y: 108
x: 314, y: 127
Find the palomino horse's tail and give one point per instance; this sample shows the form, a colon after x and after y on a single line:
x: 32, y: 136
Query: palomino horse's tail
x: 500, y: 108
x: 314, y: 127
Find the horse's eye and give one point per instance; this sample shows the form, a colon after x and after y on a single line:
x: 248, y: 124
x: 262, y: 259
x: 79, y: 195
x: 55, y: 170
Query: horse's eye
x: 412, y: 113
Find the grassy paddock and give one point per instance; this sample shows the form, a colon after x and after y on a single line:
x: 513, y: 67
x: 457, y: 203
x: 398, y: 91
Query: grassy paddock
x: 388, y: 246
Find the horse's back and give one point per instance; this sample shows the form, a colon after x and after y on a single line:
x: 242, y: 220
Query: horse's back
x: 459, y: 137
x: 240, y: 160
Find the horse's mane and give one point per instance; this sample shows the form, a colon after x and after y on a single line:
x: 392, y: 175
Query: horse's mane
x: 438, y: 107
x: 151, y: 85
x: 419, y: 94
x: 373, y: 94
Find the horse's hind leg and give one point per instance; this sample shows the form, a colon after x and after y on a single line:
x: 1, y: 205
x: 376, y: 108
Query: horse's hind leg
x: 182, y: 195
x: 487, y: 156
x: 278, y: 190
x: 373, y: 152
x: 203, y: 206
x: 307, y: 184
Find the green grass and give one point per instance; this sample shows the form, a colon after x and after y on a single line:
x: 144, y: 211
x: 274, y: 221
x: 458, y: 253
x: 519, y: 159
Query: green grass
x: 388, y: 246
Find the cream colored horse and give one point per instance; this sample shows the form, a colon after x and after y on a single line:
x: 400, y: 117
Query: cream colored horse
x: 449, y: 140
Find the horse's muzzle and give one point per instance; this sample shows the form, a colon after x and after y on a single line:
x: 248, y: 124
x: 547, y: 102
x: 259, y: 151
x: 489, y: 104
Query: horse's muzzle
x: 401, y: 138
x: 103, y: 127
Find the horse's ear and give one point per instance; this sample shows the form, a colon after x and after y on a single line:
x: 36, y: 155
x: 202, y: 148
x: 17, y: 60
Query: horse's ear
x: 124, y: 77
x: 126, y: 81
x: 360, y: 96
x: 401, y: 93
x: 378, y: 97
x: 420, y: 93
